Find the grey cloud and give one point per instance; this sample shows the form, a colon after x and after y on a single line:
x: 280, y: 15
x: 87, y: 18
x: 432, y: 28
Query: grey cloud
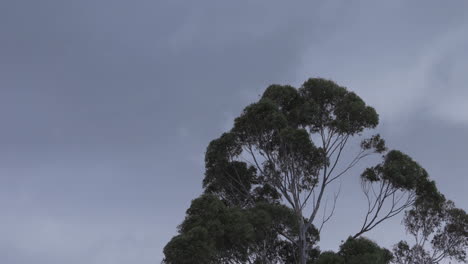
x: 107, y: 107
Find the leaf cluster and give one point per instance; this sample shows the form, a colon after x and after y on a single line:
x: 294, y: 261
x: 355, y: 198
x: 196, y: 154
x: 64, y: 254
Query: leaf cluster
x: 357, y: 251
x: 212, y: 232
x: 440, y: 231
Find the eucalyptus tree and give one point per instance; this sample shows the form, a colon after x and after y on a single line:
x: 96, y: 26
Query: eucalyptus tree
x: 440, y: 232
x: 290, y: 146
x: 296, y: 139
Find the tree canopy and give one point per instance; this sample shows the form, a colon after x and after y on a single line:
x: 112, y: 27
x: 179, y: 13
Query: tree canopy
x: 267, y: 177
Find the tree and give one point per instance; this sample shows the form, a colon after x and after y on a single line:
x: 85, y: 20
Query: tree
x: 212, y: 232
x: 440, y: 231
x: 357, y: 251
x: 399, y: 181
x: 289, y: 147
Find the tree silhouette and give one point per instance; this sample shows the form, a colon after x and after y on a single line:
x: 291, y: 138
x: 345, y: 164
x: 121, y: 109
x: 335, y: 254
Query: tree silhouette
x: 267, y: 178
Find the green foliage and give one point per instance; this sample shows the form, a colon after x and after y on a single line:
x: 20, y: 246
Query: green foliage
x: 266, y: 194
x: 330, y: 105
x: 228, y: 179
x: 260, y: 124
x: 260, y: 175
x: 190, y: 248
x: 214, y: 230
x: 210, y: 231
x: 213, y: 233
x: 399, y: 169
x: 440, y: 231
x: 364, y: 251
x: 298, y: 155
x: 277, y: 128
x: 357, y: 251
x: 222, y: 149
x: 231, y: 181
x: 403, y: 173
x: 288, y: 101
x: 330, y: 257
x: 375, y: 142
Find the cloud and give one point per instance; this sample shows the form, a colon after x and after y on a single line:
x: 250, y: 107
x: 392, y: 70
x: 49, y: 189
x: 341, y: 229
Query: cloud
x: 399, y: 68
x: 446, y: 78
x: 45, y: 237
x: 107, y: 106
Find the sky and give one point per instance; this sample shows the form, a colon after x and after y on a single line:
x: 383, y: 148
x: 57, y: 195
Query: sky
x: 106, y: 108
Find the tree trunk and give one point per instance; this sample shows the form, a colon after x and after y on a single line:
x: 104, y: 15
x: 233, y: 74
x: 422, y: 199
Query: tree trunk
x: 302, y: 243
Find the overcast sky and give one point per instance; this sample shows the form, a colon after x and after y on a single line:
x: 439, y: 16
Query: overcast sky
x: 106, y: 108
